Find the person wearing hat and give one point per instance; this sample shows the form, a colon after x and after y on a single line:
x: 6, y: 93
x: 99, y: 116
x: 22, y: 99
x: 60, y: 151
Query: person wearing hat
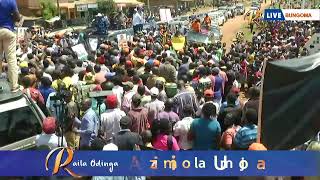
x: 48, y: 136
x: 125, y: 139
x: 110, y: 119
x: 138, y: 115
x: 127, y: 97
x: 155, y: 106
x: 208, y: 98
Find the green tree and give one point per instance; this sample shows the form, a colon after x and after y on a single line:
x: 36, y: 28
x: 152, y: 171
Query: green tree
x: 106, y: 6
x: 49, y: 9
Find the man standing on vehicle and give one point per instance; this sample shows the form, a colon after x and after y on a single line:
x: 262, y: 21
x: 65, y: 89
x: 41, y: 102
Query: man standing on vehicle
x: 207, y: 21
x: 8, y: 15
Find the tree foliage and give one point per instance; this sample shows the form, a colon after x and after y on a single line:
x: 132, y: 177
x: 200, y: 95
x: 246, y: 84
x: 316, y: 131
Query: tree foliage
x: 106, y: 6
x: 49, y: 9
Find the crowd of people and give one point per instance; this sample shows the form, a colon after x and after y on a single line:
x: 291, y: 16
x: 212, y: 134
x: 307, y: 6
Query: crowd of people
x: 161, y: 98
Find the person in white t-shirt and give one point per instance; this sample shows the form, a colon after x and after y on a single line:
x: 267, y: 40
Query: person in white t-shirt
x: 182, y: 128
x: 48, y: 137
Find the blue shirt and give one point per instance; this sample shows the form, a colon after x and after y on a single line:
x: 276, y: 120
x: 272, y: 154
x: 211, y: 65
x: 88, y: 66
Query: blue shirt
x: 7, y: 8
x: 218, y: 82
x: 205, y: 133
x: 246, y: 136
x: 45, y: 91
x: 88, y: 128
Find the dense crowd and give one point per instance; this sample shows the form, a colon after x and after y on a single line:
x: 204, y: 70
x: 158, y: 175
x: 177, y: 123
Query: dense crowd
x: 161, y: 98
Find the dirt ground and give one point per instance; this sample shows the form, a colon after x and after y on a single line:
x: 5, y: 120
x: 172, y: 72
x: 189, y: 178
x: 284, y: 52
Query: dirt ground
x: 232, y: 26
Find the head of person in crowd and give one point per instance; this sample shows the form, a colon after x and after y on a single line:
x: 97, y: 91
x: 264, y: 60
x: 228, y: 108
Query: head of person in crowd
x: 154, y: 92
x: 209, y: 110
x: 254, y: 92
x: 208, y: 95
x: 188, y: 111
x: 107, y: 86
x: 126, y: 122
x: 165, y: 126
x: 251, y: 116
x: 181, y: 85
x: 86, y: 104
x: 49, y: 125
x: 141, y: 90
x: 79, y: 63
x: 46, y: 82
x: 97, y: 144
x: 136, y: 100
x: 215, y: 71
x: 26, y: 82
x: 146, y: 137
x: 127, y: 86
x: 160, y: 85
x: 97, y: 68
x: 169, y: 105
x: 111, y: 101
x: 232, y: 98
x: 136, y: 79
x: 68, y: 96
x: 81, y: 75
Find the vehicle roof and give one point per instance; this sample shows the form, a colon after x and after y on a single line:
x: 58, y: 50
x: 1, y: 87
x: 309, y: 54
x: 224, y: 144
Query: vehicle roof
x: 6, y: 95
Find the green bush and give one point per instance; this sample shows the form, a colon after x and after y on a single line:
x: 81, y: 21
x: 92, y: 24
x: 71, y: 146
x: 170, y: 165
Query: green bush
x: 106, y: 6
x: 49, y: 9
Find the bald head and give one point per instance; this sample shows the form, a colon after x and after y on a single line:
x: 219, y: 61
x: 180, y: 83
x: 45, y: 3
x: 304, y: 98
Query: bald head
x: 86, y: 104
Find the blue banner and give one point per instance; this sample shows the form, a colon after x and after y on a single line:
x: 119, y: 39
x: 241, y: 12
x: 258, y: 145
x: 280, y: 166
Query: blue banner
x: 273, y: 15
x: 65, y: 162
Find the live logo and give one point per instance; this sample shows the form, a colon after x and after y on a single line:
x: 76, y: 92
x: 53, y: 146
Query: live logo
x: 274, y: 15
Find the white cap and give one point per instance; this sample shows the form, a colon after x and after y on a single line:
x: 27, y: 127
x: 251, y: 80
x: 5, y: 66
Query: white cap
x: 110, y: 147
x: 154, y: 91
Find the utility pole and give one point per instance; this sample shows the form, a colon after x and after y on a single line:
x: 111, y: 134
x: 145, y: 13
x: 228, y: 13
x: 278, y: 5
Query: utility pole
x: 58, y: 7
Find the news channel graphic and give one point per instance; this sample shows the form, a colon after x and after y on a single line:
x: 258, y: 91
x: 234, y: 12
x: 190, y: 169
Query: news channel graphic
x: 66, y: 162
x: 291, y: 15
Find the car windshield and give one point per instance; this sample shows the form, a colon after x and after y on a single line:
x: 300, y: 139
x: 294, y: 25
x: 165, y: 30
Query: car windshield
x: 18, y: 124
x: 184, y: 18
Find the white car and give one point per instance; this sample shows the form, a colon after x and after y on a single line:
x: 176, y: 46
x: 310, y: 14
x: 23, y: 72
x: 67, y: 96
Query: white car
x: 218, y: 17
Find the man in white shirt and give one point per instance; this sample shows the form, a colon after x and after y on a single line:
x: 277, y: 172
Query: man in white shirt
x: 110, y: 120
x: 48, y: 137
x: 137, y: 22
x: 182, y: 128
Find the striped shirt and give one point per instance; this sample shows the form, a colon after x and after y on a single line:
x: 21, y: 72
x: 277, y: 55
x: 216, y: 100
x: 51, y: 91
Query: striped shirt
x: 246, y: 136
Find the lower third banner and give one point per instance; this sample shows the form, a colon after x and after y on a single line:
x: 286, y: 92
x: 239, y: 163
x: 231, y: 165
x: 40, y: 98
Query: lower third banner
x: 65, y: 162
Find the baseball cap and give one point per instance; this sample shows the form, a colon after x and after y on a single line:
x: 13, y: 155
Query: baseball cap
x: 208, y: 93
x: 49, y: 125
x: 154, y: 91
x: 111, y: 101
